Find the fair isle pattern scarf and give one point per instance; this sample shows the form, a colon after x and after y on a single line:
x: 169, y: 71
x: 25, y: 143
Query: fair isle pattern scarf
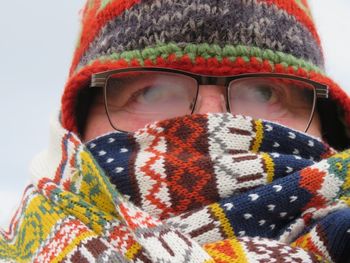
x: 201, y: 188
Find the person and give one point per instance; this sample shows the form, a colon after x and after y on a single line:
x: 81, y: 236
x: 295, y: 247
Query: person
x: 192, y: 131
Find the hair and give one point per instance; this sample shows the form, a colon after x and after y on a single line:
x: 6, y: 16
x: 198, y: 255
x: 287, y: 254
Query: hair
x: 85, y: 100
x: 333, y: 123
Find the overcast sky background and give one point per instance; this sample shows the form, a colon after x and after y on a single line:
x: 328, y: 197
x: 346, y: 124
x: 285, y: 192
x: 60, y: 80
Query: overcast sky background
x: 36, y: 46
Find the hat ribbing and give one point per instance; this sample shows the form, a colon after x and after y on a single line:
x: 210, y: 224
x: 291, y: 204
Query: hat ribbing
x: 204, y: 36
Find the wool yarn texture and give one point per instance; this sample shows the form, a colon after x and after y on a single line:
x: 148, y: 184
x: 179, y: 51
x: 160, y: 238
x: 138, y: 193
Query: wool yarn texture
x: 200, y: 188
x: 224, y: 37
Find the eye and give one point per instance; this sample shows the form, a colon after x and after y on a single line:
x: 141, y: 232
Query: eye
x: 256, y: 93
x: 152, y: 94
x: 263, y: 94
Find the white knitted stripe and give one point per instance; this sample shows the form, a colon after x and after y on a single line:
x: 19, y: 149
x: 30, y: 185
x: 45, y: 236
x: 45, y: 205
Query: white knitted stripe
x: 120, y: 241
x: 180, y: 252
x: 46, y: 163
x: 161, y: 242
x: 239, y: 135
x: 67, y: 232
x: 19, y: 215
x: 259, y: 250
x: 315, y: 238
x: 193, y: 223
x: 293, y: 231
x: 331, y: 183
x: 149, y: 164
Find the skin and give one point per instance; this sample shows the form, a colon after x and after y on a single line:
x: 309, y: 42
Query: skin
x: 211, y: 100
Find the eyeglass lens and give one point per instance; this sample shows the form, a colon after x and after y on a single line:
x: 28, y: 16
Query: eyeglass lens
x: 145, y: 97
x: 134, y: 99
x: 282, y: 100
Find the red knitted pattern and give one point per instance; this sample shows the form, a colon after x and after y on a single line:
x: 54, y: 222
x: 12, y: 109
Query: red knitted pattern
x: 154, y: 175
x: 309, y: 244
x: 313, y: 184
x: 191, y: 178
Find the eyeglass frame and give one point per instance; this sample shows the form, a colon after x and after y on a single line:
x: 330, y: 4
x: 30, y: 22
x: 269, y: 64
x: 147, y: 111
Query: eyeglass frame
x: 100, y: 80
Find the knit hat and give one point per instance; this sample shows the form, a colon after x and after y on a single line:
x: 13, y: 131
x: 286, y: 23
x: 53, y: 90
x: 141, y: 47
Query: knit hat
x: 223, y: 37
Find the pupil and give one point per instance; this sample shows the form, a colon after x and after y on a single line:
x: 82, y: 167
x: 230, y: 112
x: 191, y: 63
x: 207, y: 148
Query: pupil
x: 265, y: 93
x: 151, y: 94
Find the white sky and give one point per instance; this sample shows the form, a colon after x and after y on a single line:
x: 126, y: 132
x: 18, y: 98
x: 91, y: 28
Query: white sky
x: 38, y: 39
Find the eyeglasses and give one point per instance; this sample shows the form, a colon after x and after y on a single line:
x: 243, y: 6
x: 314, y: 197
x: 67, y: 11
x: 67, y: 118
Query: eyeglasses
x: 134, y: 97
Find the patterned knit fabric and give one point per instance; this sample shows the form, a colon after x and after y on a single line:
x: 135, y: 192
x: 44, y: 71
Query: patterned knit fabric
x: 201, y: 188
x: 223, y: 37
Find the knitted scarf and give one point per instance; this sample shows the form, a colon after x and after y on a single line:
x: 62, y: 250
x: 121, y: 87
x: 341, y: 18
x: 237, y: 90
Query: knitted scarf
x: 200, y: 188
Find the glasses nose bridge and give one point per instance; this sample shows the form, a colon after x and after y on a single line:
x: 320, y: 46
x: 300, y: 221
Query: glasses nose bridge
x: 212, y: 81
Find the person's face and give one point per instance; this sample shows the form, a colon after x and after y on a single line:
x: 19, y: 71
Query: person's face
x: 211, y: 99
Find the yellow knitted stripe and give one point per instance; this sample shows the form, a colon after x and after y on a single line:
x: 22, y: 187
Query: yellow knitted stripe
x: 227, y: 251
x: 94, y: 187
x: 346, y: 169
x: 135, y: 248
x: 340, y: 165
x: 346, y: 200
x: 305, y: 242
x: 259, y: 136
x: 225, y: 224
x: 73, y: 245
x: 270, y: 166
x: 37, y: 223
x: 346, y: 184
x: 302, y: 241
x: 90, y: 215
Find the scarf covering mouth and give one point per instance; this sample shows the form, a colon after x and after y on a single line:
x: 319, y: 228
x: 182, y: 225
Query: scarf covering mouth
x: 200, y: 188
